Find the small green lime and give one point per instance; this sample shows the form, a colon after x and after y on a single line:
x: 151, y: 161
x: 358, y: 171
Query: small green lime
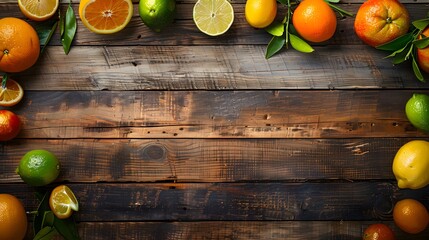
x: 38, y: 167
x: 157, y: 14
x: 417, y: 111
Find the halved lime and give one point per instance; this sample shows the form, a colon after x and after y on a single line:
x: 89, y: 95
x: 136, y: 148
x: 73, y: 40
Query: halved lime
x: 213, y: 17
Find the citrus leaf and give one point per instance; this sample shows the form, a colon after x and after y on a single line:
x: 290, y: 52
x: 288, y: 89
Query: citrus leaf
x: 421, y: 43
x: 397, y: 43
x: 332, y: 1
x: 403, y: 55
x: 282, y: 1
x: 46, y: 233
x: 299, y: 44
x: 45, y: 30
x: 67, y: 228
x: 275, y: 45
x: 43, y: 207
x: 417, y: 72
x: 276, y: 29
x: 4, y: 80
x: 421, y: 24
x: 69, y: 29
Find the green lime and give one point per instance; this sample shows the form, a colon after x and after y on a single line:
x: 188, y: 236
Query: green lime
x: 417, y: 111
x: 38, y: 168
x: 157, y: 14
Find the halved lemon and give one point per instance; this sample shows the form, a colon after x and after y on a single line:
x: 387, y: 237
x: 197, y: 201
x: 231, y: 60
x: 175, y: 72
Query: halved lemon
x: 11, y: 94
x: 105, y: 16
x: 38, y: 10
x: 213, y: 17
x: 63, y: 202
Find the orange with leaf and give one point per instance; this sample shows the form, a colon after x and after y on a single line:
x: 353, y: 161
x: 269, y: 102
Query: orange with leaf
x: 380, y: 21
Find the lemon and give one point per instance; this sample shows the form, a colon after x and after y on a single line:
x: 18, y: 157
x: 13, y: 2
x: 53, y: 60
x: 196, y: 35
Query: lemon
x: 157, y: 14
x: 38, y: 167
x: 411, y: 165
x: 417, y: 111
x: 63, y: 202
x: 260, y: 13
x: 213, y: 17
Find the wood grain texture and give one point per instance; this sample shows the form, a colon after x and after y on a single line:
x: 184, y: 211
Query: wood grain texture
x: 239, y: 230
x: 211, y: 160
x: 258, y: 201
x: 215, y: 114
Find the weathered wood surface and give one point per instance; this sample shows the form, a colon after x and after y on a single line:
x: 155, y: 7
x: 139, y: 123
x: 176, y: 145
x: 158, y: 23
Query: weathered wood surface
x: 299, y: 146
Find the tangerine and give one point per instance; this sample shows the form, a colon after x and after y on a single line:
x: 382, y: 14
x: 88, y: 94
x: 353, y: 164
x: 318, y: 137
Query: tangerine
x: 10, y: 125
x: 423, y: 53
x: 380, y: 21
x: 13, y: 220
x: 314, y: 20
x: 378, y: 231
x: 19, y: 45
x: 411, y: 216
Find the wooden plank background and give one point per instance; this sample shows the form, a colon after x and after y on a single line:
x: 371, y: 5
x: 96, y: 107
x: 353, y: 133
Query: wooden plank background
x: 177, y: 135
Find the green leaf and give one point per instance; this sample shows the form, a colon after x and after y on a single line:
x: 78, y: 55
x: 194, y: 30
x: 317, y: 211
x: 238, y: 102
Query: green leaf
x: 421, y: 43
x: 421, y: 24
x: 48, y: 219
x: 46, y: 233
x: 4, y: 80
x: 397, y: 43
x: 299, y: 44
x: 417, y: 71
x: 341, y: 11
x: 43, y: 207
x: 46, y: 30
x: 70, y: 27
x: 67, y: 228
x: 276, y: 29
x: 275, y: 45
x: 282, y: 1
x: 404, y: 55
x: 332, y: 1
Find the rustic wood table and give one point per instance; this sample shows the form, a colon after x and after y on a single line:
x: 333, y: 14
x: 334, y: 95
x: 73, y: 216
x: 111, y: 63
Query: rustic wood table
x: 178, y: 135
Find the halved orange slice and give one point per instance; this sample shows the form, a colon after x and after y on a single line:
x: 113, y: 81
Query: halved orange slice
x: 105, y: 16
x: 12, y: 94
x: 63, y: 202
x: 38, y: 10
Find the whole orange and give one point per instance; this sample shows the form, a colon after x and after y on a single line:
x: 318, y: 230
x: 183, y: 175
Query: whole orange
x: 260, y: 13
x: 13, y: 220
x: 411, y: 216
x: 314, y: 20
x: 423, y: 54
x: 378, y: 231
x: 10, y: 125
x: 19, y: 45
x: 380, y: 21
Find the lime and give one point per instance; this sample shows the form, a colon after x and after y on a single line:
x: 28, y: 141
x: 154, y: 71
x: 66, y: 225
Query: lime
x: 417, y: 111
x: 63, y: 202
x: 38, y: 167
x: 157, y: 14
x: 213, y: 17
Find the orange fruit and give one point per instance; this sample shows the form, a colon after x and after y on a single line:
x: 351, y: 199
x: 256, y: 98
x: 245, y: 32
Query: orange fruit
x: 260, y: 13
x: 380, y: 21
x: 105, y: 16
x: 423, y: 54
x: 38, y: 10
x: 314, y: 20
x: 63, y: 202
x: 12, y: 94
x: 411, y: 216
x: 19, y: 45
x: 13, y: 220
x: 10, y: 125
x: 378, y: 231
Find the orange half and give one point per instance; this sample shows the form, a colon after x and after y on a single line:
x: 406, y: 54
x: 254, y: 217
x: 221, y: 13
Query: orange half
x: 12, y: 94
x: 38, y: 10
x: 105, y: 16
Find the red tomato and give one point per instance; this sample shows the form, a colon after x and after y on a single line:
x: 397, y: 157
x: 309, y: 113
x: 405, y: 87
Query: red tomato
x: 10, y: 125
x: 378, y: 231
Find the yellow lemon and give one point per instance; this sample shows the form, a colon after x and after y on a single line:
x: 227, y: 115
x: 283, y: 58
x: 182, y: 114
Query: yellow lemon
x: 411, y: 165
x: 260, y: 13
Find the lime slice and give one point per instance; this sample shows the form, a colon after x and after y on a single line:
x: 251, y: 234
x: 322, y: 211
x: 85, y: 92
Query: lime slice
x: 213, y: 17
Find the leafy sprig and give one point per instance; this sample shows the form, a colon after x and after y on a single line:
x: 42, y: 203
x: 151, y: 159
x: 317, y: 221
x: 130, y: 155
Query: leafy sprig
x: 284, y: 33
x: 405, y: 47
